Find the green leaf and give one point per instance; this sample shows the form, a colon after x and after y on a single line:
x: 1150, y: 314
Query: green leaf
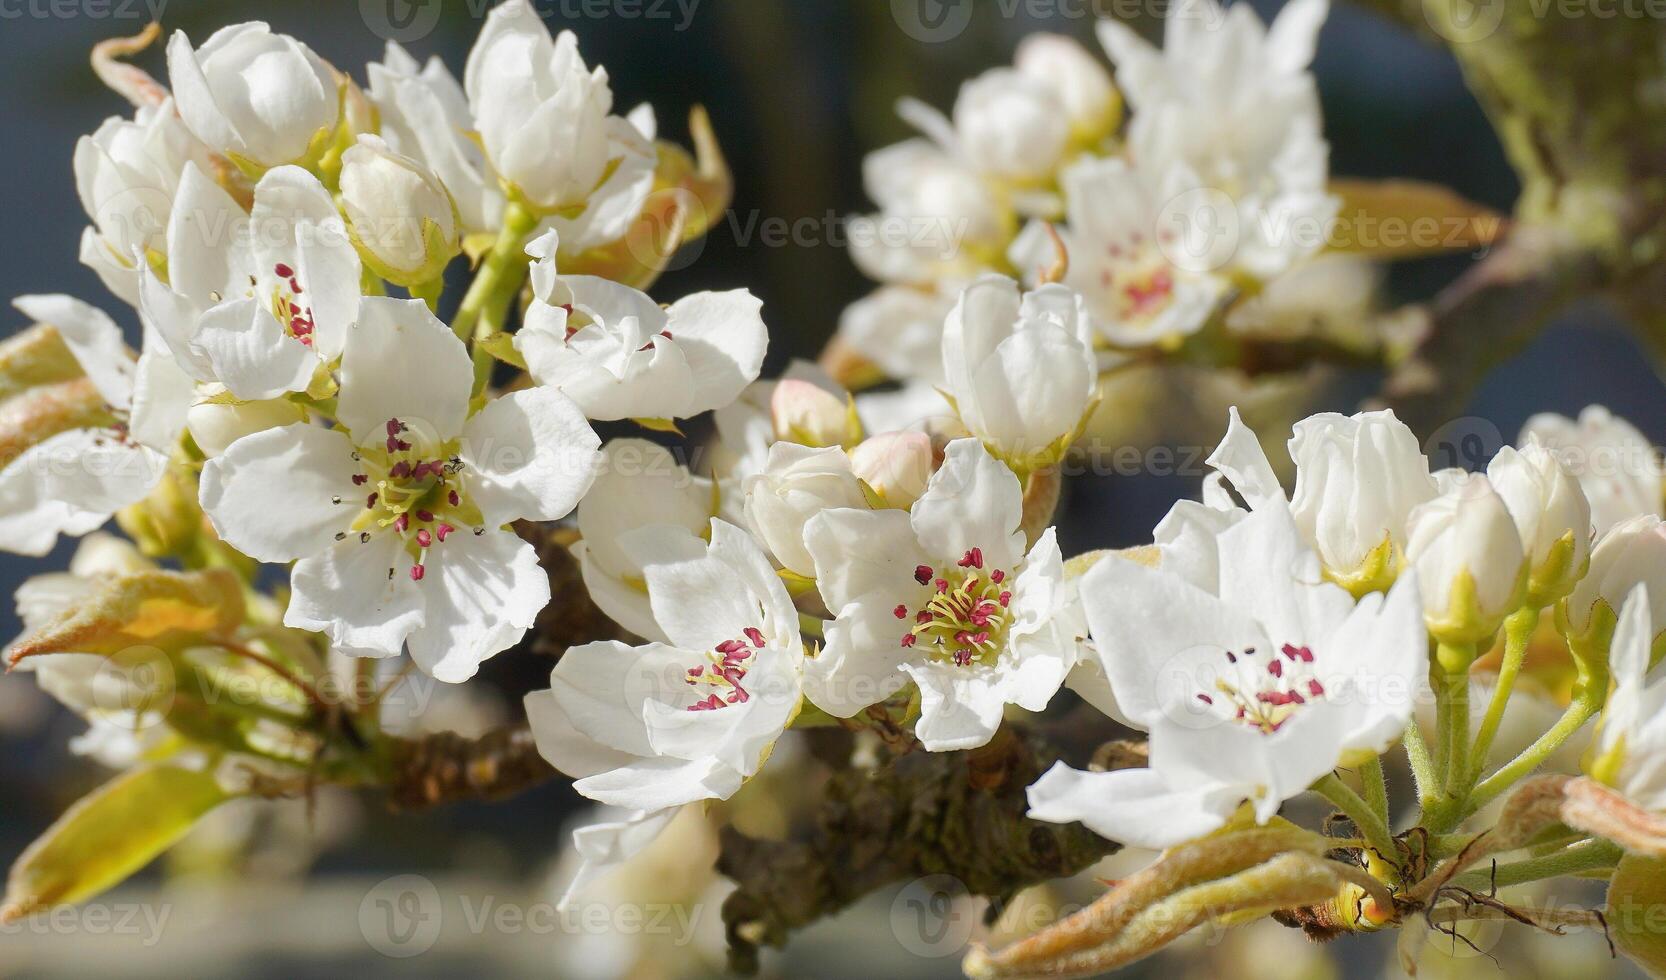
x: 502, y: 347
x: 1392, y: 219
x: 107, y: 836
x: 1637, y: 911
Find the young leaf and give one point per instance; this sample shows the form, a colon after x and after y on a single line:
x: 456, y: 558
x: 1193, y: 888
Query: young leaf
x: 1637, y: 911
x: 144, y: 608
x: 107, y: 836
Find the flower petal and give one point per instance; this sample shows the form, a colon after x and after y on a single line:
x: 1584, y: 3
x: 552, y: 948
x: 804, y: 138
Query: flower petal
x: 250, y: 351
x: 484, y: 594
x: 972, y: 501
x: 347, y: 593
x: 282, y: 494
x: 402, y: 363
x: 530, y: 455
x: 1135, y: 806
x: 723, y: 338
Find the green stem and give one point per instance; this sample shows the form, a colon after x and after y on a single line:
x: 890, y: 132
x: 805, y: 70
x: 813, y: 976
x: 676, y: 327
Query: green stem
x: 429, y: 292
x: 1585, y: 705
x: 1376, y: 788
x: 1452, y: 661
x: 495, y: 286
x: 1372, y: 827
x: 1518, y: 631
x: 1422, y: 766
x: 1588, y: 855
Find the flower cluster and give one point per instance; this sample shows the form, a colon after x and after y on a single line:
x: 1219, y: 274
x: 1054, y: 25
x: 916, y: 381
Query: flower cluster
x: 318, y: 472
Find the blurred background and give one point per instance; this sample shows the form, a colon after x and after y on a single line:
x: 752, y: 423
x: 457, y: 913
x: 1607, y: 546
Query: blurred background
x: 798, y: 91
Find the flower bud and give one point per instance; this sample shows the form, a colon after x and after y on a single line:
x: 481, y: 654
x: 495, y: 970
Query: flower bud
x: 1618, y: 467
x: 1077, y: 80
x: 798, y: 482
x: 1552, y: 517
x: 806, y: 413
x: 401, y: 217
x: 897, y: 465
x: 1632, y: 553
x: 1021, y: 371
x: 259, y: 98
x: 1357, y: 480
x: 1469, y: 561
x: 216, y: 424
x: 1011, y: 125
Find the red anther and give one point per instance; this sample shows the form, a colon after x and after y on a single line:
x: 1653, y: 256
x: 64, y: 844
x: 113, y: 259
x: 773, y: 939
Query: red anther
x: 977, y: 557
x: 443, y: 530
x: 962, y: 657
x: 755, y: 635
x: 730, y: 646
x: 393, y: 427
x: 283, y: 271
x: 922, y: 617
x: 403, y: 446
x: 965, y: 560
x: 901, y: 611
x: 942, y: 585
x: 997, y: 576
x: 295, y: 286
x: 696, y: 670
x: 393, y: 446
x: 370, y: 501
x: 922, y: 574
x: 1206, y: 699
x: 908, y: 639
x: 360, y: 480
x: 1231, y: 658
x: 710, y: 704
x: 417, y: 572
x: 1315, y: 688
x: 453, y: 499
x: 1275, y: 668
x: 402, y: 523
x: 424, y: 539
x: 1006, y: 598
x: 425, y: 516
x: 981, y: 638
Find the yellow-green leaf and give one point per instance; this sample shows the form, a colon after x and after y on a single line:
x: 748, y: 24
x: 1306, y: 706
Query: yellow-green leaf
x: 502, y: 347
x: 36, y: 356
x: 1637, y: 911
x: 1394, y: 219
x: 107, y: 836
x: 143, y: 608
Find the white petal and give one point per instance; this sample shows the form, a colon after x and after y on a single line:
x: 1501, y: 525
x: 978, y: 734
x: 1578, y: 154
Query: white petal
x: 723, y: 338
x: 92, y: 337
x: 284, y: 493
x: 481, y: 595
x: 530, y: 454
x: 862, y: 662
x: 402, y: 363
x: 95, y: 472
x: 857, y: 552
x: 299, y: 227
x: 563, y: 745
x: 162, y: 395
x: 251, y: 353
x: 973, y: 501
x: 31, y: 517
x: 1244, y: 462
x: 1143, y: 618
x: 607, y: 844
x: 715, y: 596
x: 208, y: 236
x: 347, y: 594
x: 1135, y: 806
x: 960, y: 707
x: 623, y: 602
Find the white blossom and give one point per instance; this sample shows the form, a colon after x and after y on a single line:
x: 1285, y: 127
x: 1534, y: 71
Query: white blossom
x: 1469, y: 557
x: 408, y: 484
x: 1021, y: 370
x: 1253, y: 684
x: 254, y: 95
x: 1552, y: 514
x: 798, y: 482
x: 618, y: 354
x: 401, y: 216
x: 1620, y: 470
x: 1629, y: 554
x: 127, y: 175
x: 545, y: 121
x: 1631, y: 743
x: 945, y: 596
x: 655, y: 727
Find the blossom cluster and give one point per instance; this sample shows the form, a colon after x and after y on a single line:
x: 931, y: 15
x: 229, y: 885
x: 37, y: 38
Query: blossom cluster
x: 284, y: 236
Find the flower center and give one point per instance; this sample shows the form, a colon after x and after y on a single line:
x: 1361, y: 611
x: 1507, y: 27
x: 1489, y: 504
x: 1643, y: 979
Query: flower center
x: 963, y: 618
x: 1270, y: 694
x: 723, y: 672
x: 287, y: 306
x: 416, y: 490
x: 1137, y: 282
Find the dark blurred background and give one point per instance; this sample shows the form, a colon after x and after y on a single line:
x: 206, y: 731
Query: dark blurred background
x: 798, y: 91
